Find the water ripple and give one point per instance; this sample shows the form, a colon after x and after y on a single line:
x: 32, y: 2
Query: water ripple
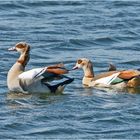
x: 63, y: 31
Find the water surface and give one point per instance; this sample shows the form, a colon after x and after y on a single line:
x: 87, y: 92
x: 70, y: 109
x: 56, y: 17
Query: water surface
x: 62, y: 31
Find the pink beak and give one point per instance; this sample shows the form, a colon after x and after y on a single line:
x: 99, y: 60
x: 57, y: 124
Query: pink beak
x: 74, y: 68
x: 12, y: 49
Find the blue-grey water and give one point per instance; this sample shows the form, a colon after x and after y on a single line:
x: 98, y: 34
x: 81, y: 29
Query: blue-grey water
x: 62, y: 31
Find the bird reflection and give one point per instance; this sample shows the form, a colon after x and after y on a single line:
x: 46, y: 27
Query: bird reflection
x: 21, y: 100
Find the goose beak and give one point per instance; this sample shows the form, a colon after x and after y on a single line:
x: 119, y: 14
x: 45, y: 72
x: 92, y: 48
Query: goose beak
x: 12, y: 49
x: 74, y: 68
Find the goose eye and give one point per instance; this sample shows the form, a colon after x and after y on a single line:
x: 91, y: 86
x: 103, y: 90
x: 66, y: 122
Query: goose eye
x: 79, y: 61
x: 20, y: 46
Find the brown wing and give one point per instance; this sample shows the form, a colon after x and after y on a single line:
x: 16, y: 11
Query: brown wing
x: 57, y: 69
x: 128, y: 74
x: 60, y: 65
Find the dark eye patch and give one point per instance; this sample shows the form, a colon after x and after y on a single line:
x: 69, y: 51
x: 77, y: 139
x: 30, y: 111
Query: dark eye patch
x: 79, y: 61
x: 20, y: 46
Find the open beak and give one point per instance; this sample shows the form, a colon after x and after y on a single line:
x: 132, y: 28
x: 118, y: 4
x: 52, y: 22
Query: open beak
x: 12, y: 49
x: 74, y: 68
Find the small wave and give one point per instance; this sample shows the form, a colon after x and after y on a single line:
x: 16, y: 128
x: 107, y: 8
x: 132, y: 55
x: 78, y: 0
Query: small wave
x: 11, y: 5
x: 105, y: 40
x: 134, y: 63
x: 125, y: 4
x: 52, y: 3
x: 82, y: 42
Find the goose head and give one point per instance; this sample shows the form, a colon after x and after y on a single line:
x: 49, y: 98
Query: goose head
x: 24, y: 49
x: 20, y: 47
x: 86, y: 65
x: 83, y: 63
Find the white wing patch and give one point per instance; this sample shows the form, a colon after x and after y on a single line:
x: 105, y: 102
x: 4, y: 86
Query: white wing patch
x: 30, y: 74
x: 107, y: 80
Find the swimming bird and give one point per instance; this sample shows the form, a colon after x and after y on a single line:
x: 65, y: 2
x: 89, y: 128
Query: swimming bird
x: 36, y: 80
x: 112, y: 79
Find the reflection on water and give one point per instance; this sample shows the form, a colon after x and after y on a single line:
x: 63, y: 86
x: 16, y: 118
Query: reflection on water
x: 13, y: 96
x: 18, y: 100
x: 91, y: 90
x: 133, y: 90
x: 21, y: 100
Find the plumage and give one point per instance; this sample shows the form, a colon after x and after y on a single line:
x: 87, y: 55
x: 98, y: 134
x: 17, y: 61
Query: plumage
x: 37, y: 80
x: 116, y: 78
x: 112, y: 67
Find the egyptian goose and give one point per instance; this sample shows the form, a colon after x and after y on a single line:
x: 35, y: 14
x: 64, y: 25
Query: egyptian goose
x: 37, y: 80
x: 118, y: 79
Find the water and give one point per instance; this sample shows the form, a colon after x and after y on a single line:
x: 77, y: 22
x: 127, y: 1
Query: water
x: 62, y: 31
